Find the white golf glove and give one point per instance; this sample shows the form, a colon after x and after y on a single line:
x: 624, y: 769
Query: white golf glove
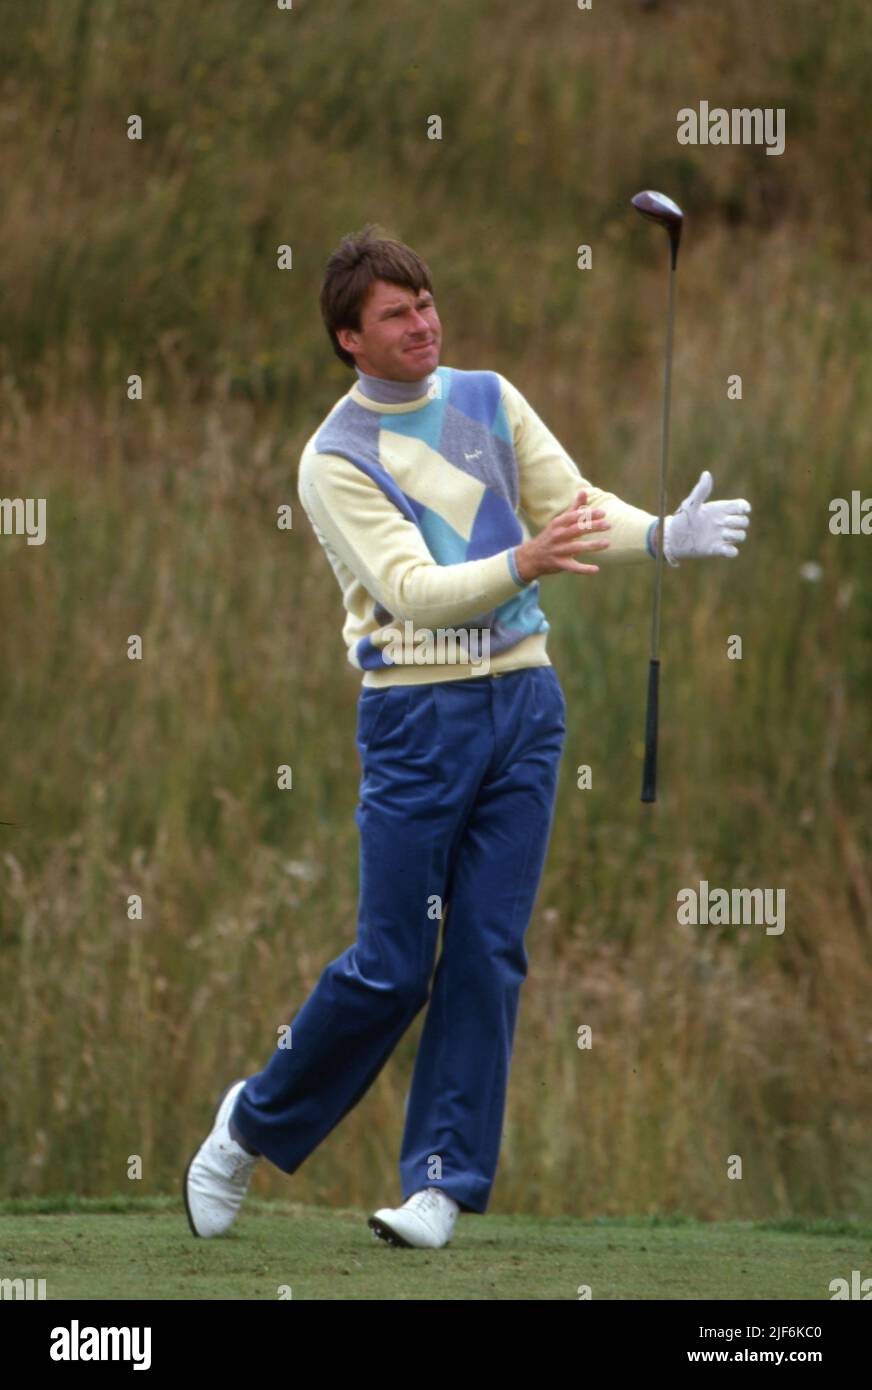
x: 704, y: 528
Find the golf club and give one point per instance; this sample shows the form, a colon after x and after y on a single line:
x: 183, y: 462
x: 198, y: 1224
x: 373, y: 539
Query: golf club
x: 660, y: 209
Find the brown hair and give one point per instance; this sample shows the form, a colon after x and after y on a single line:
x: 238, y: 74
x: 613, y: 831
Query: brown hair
x: 359, y: 260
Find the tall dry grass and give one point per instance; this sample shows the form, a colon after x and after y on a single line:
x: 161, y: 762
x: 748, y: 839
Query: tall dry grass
x: 158, y: 777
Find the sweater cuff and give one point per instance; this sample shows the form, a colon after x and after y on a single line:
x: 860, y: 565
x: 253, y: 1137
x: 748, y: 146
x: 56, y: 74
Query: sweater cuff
x: 514, y: 569
x: 650, y: 537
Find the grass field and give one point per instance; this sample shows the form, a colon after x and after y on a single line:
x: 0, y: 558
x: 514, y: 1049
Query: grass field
x: 123, y: 1249
x: 154, y: 780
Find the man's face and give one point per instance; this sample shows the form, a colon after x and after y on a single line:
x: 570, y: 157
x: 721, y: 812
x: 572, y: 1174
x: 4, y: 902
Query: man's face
x: 400, y: 333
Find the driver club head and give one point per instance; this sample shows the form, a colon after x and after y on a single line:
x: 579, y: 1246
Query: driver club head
x: 661, y: 209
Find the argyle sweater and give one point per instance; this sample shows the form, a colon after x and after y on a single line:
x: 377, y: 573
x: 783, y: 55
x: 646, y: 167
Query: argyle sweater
x: 419, y: 507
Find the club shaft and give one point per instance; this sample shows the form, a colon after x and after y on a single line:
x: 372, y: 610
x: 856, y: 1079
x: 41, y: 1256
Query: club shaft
x: 664, y: 455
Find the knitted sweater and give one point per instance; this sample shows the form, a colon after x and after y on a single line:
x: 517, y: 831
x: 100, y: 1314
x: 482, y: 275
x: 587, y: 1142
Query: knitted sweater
x: 419, y: 506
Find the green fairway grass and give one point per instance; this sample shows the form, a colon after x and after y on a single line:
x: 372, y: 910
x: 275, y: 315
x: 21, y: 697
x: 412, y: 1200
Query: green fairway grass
x: 122, y: 1249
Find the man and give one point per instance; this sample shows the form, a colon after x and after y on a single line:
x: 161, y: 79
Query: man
x: 413, y: 484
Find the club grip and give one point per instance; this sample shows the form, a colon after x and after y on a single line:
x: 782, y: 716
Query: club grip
x: 649, y: 772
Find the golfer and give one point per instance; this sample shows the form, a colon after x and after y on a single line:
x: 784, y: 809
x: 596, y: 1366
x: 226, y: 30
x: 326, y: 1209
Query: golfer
x: 425, y: 485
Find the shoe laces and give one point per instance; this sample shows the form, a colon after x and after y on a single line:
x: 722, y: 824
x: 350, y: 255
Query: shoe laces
x: 237, y: 1164
x: 428, y: 1199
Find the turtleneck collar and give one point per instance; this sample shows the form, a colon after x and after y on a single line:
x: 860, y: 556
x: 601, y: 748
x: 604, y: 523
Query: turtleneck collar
x: 388, y: 392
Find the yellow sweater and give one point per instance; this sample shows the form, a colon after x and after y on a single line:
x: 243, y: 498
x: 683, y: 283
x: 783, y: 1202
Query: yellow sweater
x: 418, y: 508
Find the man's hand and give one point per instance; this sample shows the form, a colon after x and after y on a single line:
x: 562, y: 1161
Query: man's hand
x: 552, y: 550
x: 705, y: 528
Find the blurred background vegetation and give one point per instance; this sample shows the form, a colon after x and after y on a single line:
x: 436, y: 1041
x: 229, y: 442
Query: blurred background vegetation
x: 158, y: 257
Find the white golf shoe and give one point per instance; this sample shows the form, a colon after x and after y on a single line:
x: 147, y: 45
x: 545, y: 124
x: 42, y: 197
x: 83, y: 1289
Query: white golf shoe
x: 216, y: 1179
x: 425, y: 1221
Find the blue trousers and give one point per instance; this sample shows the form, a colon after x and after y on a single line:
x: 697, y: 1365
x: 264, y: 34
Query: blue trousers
x: 456, y: 805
